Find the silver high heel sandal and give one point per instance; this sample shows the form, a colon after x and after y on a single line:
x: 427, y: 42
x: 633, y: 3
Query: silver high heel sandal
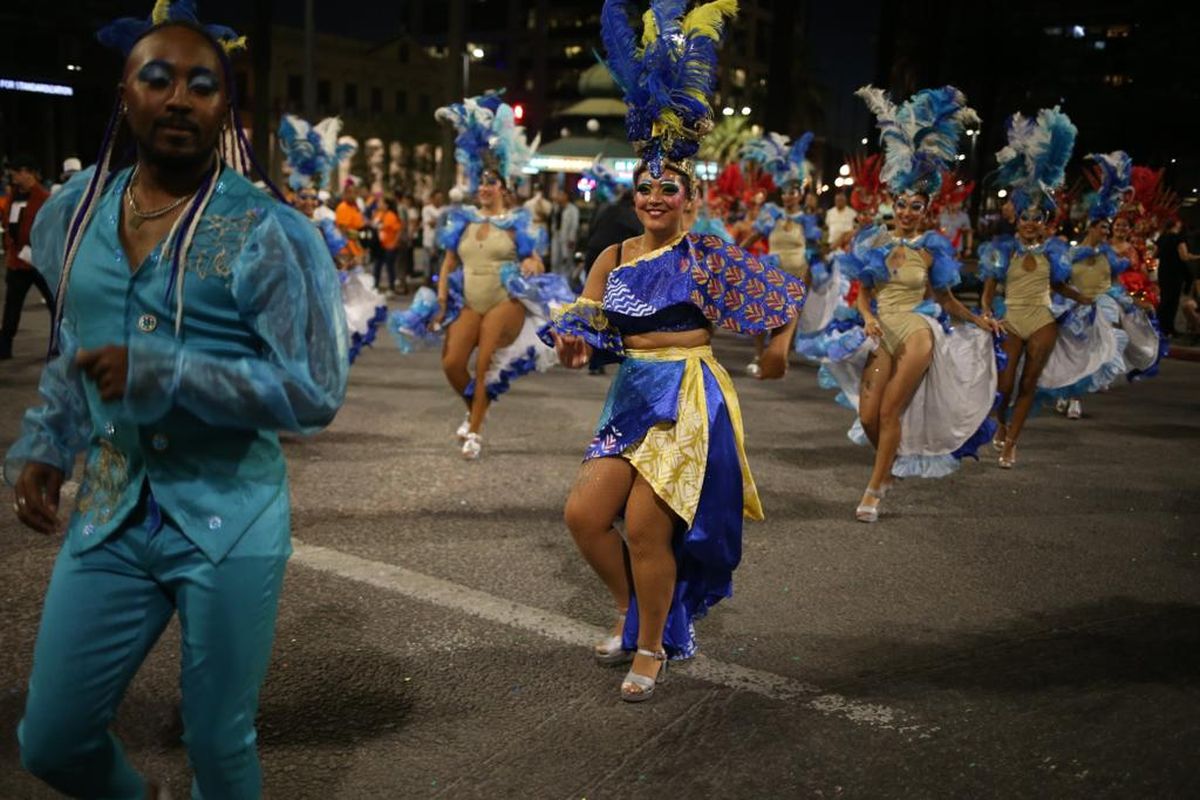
x: 1009, y: 463
x: 609, y: 651
x: 866, y: 513
x: 638, y: 688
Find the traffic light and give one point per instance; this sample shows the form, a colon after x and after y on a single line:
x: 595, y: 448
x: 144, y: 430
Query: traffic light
x: 519, y: 112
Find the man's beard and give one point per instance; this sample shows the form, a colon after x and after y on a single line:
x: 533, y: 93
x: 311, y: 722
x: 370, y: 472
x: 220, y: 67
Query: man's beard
x: 172, y: 162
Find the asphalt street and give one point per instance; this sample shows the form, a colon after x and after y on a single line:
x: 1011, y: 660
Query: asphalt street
x: 1008, y: 634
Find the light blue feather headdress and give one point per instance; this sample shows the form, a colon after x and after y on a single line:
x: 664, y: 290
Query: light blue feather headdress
x: 489, y: 138
x: 122, y: 34
x: 786, y: 164
x: 668, y: 76
x: 1034, y: 162
x: 920, y: 137
x: 606, y: 181
x: 1115, y: 170
x: 313, y: 152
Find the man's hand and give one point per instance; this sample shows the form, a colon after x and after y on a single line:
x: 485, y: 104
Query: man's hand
x: 108, y: 367
x: 35, y: 497
x: 573, y: 352
x: 532, y: 266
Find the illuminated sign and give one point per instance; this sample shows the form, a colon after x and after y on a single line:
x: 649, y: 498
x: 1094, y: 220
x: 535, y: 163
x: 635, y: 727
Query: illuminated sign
x: 13, y: 85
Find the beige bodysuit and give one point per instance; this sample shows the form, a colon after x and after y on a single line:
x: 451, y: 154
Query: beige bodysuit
x: 481, y: 261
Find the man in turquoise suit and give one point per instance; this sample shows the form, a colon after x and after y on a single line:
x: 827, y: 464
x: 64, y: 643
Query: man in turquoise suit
x: 197, y: 316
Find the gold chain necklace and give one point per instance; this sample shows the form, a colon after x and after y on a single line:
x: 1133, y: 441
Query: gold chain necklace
x: 139, y: 216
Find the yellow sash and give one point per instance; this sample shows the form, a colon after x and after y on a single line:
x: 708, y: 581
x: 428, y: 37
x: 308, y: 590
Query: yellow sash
x: 673, y: 457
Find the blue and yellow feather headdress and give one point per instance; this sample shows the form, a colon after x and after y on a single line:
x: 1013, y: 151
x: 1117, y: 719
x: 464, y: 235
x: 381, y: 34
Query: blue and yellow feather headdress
x: 122, y: 34
x: 919, y: 137
x: 668, y: 76
x: 1034, y: 162
x: 489, y: 138
x: 606, y: 182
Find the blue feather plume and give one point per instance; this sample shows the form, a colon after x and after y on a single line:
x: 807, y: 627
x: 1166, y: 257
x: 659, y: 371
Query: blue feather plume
x: 1034, y: 162
x: 920, y: 137
x: 1116, y: 170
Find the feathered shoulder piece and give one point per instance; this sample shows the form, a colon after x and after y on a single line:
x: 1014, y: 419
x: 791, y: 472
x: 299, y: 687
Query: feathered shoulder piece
x: 919, y: 137
x: 786, y: 163
x: 668, y: 75
x: 122, y: 34
x: 1111, y: 181
x: 313, y: 152
x: 1034, y: 162
x: 489, y: 138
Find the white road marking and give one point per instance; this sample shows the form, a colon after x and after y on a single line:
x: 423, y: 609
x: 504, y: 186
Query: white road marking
x: 447, y: 594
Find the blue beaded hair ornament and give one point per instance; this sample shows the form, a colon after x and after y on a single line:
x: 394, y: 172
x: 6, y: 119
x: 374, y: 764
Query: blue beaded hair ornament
x: 1033, y: 165
x: 233, y: 150
x: 920, y: 136
x: 668, y: 76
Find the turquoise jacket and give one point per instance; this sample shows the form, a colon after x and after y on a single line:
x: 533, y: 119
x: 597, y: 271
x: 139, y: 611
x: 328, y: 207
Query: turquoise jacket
x: 261, y: 347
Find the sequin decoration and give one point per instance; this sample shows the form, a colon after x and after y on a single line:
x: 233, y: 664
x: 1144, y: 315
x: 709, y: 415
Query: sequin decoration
x: 104, y: 480
x: 218, y: 242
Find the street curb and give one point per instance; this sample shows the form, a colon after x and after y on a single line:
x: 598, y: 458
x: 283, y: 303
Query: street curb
x: 1184, y: 353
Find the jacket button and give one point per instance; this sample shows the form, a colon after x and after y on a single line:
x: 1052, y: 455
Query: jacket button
x: 89, y: 529
x: 147, y: 323
x: 160, y: 442
x: 109, y: 429
x: 214, y: 523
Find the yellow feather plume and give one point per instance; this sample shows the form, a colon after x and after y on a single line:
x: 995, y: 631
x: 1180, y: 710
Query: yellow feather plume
x: 161, y: 8
x: 649, y: 28
x: 708, y: 19
x: 232, y: 45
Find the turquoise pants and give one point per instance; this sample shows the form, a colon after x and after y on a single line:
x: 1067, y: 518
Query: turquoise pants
x: 105, y: 609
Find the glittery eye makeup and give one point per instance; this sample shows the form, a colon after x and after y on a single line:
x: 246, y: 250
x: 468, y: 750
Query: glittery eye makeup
x: 670, y: 189
x: 156, y: 73
x: 202, y: 81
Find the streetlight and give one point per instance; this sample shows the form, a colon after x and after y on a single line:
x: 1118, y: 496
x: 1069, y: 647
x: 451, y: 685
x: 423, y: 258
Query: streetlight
x: 864, y: 140
x: 1003, y: 193
x: 727, y: 111
x: 844, y: 170
x: 745, y: 111
x: 477, y: 52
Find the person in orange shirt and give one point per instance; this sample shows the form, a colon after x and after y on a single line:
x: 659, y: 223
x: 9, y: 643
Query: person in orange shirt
x: 350, y: 220
x: 387, y: 220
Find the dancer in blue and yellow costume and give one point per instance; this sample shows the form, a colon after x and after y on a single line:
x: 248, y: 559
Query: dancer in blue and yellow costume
x: 667, y: 454
x: 196, y: 317
x: 927, y: 387
x: 794, y: 236
x: 492, y: 295
x: 1021, y: 271
x: 1095, y: 271
x: 312, y: 153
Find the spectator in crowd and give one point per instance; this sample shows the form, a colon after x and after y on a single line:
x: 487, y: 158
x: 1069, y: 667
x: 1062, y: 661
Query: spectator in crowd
x: 390, y: 226
x: 410, y: 217
x: 955, y: 225
x: 1007, y: 224
x: 1176, y: 272
x: 349, y: 219
x: 613, y: 223
x: 564, y: 233
x: 839, y: 221
x: 25, y: 200
x: 429, y: 229
x: 70, y: 166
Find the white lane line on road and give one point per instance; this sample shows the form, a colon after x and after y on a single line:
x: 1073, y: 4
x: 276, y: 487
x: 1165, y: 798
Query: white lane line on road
x: 450, y: 595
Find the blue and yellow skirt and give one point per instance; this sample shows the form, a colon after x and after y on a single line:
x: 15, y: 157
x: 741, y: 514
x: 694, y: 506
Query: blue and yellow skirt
x: 674, y: 415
